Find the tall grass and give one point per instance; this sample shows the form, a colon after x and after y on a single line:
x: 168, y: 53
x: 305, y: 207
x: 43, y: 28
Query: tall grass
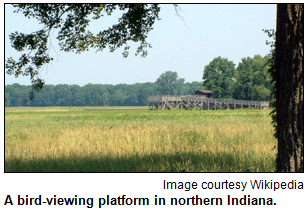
x: 74, y: 140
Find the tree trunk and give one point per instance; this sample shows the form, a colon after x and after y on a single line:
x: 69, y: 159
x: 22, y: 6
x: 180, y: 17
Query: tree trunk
x: 289, y: 87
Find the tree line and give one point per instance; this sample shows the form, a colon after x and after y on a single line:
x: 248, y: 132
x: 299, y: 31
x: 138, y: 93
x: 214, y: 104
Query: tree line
x: 99, y: 94
x: 249, y: 81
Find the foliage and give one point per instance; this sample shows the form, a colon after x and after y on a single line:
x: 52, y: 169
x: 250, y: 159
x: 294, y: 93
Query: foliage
x: 71, y: 21
x: 218, y: 77
x: 249, y: 81
x: 252, y: 79
x: 169, y: 83
x: 272, y: 71
x: 98, y: 94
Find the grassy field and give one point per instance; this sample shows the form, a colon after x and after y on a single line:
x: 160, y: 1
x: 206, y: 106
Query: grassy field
x: 89, y: 139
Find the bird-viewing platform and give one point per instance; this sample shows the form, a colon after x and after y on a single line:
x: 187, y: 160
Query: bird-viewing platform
x: 189, y: 102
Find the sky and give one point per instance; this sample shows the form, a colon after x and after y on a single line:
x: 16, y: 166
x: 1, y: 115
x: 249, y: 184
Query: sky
x: 184, y: 44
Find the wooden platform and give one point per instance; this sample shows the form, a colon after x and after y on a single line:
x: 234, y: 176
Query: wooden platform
x: 190, y: 102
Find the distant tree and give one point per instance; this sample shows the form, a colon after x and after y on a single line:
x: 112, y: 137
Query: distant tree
x: 219, y: 77
x: 189, y: 88
x: 243, y: 76
x: 105, y: 98
x: 45, y: 97
x: 103, y: 95
x: 132, y: 95
x: 17, y: 94
x: 260, y: 93
x: 253, y: 79
x: 262, y: 87
x: 78, y: 95
x: 7, y: 99
x: 62, y: 95
x: 118, y: 98
x: 169, y: 83
x: 146, y: 90
x: 94, y: 94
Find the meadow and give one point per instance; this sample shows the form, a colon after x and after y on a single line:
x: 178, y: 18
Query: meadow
x: 90, y: 139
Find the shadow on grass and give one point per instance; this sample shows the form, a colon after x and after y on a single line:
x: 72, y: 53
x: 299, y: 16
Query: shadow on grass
x: 180, y: 162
